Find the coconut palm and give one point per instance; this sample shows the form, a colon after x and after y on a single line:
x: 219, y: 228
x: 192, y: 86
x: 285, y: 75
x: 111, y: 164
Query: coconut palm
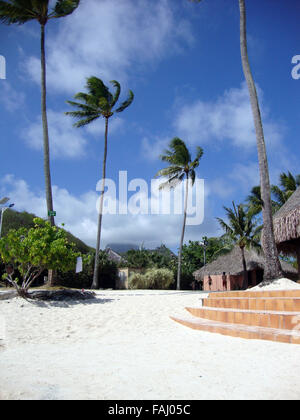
x: 242, y: 230
x: 273, y: 267
x: 22, y: 11
x: 181, y: 167
x: 288, y: 185
x: 98, y: 102
x: 254, y: 203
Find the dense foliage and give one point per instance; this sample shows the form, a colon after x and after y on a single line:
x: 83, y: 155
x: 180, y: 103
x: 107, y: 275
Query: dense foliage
x: 14, y: 220
x: 107, y: 274
x: 154, y: 278
x: 31, y: 251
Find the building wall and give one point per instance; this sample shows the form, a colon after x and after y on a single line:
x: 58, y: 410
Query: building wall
x: 233, y: 282
x: 123, y: 276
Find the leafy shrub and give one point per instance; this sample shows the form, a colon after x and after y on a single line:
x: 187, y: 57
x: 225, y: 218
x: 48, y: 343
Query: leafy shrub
x: 137, y: 281
x: 107, y: 273
x: 154, y: 278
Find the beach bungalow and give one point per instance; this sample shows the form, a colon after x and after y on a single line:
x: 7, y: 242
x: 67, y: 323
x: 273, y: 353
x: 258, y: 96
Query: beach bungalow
x: 287, y: 227
x: 226, y: 272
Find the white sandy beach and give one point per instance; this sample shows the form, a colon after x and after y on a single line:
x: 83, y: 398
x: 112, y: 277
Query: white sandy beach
x: 123, y: 345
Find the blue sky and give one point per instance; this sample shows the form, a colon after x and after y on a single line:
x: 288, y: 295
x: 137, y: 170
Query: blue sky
x: 182, y: 61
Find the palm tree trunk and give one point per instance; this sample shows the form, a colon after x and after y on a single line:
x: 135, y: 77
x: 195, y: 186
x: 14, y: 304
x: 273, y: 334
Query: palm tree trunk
x: 245, y: 273
x: 47, y: 174
x: 95, y: 284
x: 182, y: 233
x: 272, y: 264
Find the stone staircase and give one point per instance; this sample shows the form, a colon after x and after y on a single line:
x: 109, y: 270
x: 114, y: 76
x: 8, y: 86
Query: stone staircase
x: 263, y: 315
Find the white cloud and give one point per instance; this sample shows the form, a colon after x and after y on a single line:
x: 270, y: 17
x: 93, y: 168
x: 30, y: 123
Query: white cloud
x: 65, y: 140
x: 228, y: 118
x: 80, y: 217
x: 111, y: 41
x: 153, y: 148
x: 10, y: 98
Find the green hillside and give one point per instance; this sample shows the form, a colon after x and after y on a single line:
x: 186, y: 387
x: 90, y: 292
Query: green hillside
x: 14, y: 220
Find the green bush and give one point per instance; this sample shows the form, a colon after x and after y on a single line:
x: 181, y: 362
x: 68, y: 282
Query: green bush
x: 154, y: 278
x: 137, y: 281
x: 107, y: 273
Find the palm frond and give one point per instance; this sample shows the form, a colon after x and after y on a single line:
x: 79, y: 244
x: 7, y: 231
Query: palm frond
x: 117, y: 92
x: 279, y: 195
x: 192, y: 175
x: 170, y: 171
x: 86, y: 121
x: 225, y: 226
x: 172, y: 182
x: 64, y: 8
x: 84, y: 107
x: 16, y: 12
x: 97, y: 89
x: 126, y: 103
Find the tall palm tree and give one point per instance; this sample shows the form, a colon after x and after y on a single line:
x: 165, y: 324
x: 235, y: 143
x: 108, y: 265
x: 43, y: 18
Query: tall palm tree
x: 272, y: 264
x: 22, y: 11
x: 98, y: 102
x: 181, y: 167
x: 242, y: 230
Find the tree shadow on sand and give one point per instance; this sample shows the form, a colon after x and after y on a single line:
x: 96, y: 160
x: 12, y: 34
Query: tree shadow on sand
x: 64, y: 298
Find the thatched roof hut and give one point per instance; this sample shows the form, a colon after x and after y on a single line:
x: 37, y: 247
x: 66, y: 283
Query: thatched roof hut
x: 287, y: 225
x: 231, y: 263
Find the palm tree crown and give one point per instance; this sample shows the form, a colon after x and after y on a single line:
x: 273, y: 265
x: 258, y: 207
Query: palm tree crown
x: 241, y: 227
x: 288, y: 185
x: 22, y: 11
x: 181, y: 164
x: 97, y: 102
x: 243, y: 231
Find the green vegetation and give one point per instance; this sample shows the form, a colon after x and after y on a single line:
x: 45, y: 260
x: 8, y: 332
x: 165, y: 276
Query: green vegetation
x: 243, y: 231
x: 31, y: 251
x: 15, y: 220
x: 154, y: 278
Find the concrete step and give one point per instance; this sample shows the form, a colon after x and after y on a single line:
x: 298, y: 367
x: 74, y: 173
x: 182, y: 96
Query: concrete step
x: 279, y: 304
x: 241, y: 331
x: 267, y: 319
x: 264, y: 293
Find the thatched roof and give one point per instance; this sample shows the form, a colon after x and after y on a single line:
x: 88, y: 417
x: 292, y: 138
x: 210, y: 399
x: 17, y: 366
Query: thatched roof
x: 287, y: 226
x: 287, y: 220
x: 113, y: 256
x: 231, y: 263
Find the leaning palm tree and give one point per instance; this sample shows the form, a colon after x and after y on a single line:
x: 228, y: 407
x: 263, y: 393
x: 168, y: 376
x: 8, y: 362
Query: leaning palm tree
x: 242, y: 230
x: 22, y: 11
x: 98, y: 102
x: 181, y: 167
x: 272, y: 263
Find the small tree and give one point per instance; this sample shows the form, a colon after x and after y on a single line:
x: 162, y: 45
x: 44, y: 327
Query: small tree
x: 31, y: 251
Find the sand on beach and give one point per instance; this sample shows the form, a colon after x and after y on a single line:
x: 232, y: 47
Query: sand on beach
x: 122, y: 345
